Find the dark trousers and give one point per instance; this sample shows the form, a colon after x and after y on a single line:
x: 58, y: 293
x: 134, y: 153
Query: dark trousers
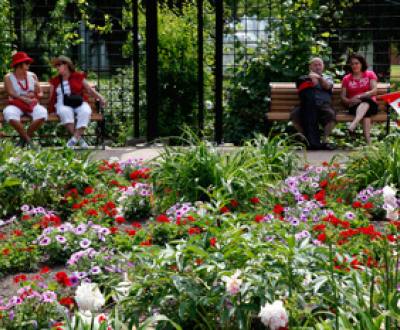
x: 309, y: 117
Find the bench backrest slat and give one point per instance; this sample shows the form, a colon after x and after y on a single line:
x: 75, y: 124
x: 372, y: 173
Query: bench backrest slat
x: 284, y: 97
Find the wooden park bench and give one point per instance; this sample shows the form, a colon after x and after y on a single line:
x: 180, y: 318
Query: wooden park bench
x: 97, y: 112
x: 284, y: 98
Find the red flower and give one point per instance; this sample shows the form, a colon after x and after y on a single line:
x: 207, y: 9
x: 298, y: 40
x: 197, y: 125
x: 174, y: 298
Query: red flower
x: 320, y: 227
x: 113, y: 230
x: 136, y: 225
x: 213, y: 241
x: 26, y: 217
x: 254, y: 200
x: 323, y: 183
x: 92, y: 212
x: 130, y: 232
x: 114, y: 183
x: 67, y: 302
x: 321, y: 237
x: 88, y: 191
x: 194, y: 230
x: 20, y: 278
x: 278, y: 209
x: 339, y: 200
x: 325, y: 163
x: 17, y: 232
x: 259, y: 218
x: 162, y: 218
x: 224, y: 209
x: 368, y: 205
x: 391, y: 238
x: 320, y: 195
x: 234, y: 203
x: 198, y: 261
x: 357, y: 204
x: 355, y: 264
x: 62, y: 278
x: 146, y: 243
x: 306, y: 197
x: 191, y: 218
x: 44, y: 270
x: 120, y: 219
x: 5, y: 252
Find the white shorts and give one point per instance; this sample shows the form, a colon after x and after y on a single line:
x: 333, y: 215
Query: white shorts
x: 67, y: 114
x: 11, y: 112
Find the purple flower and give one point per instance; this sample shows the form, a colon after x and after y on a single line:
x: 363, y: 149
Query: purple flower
x: 295, y: 222
x: 61, y: 239
x: 80, y: 229
x: 45, y: 241
x: 95, y: 270
x: 49, y: 297
x: 85, y: 243
x: 349, y: 215
x: 74, y: 280
x: 269, y: 238
x: 11, y: 315
x: 25, y: 208
x: 82, y: 275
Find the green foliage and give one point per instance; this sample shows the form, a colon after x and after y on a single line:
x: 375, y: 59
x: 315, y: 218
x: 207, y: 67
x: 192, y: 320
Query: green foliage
x: 196, y: 172
x: 40, y: 178
x: 376, y: 165
x: 7, y: 36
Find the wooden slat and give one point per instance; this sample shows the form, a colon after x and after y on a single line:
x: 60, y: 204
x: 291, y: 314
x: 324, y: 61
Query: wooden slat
x: 340, y: 117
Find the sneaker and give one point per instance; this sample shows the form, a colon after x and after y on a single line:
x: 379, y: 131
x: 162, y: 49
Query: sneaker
x: 83, y: 144
x: 72, y: 142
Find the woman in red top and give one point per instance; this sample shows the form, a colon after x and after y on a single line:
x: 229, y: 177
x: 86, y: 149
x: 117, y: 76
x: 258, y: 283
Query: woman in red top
x: 359, y: 88
x: 74, y: 83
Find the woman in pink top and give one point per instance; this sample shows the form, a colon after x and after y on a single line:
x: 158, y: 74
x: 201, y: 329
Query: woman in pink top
x: 359, y: 88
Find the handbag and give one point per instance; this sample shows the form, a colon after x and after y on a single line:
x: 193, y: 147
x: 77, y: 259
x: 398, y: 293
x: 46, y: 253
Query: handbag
x: 73, y: 100
x: 25, y: 107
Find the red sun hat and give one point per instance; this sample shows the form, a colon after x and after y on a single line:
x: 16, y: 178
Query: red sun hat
x: 20, y: 57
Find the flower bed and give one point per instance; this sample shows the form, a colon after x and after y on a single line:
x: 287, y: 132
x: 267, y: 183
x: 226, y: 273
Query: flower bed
x: 253, y: 247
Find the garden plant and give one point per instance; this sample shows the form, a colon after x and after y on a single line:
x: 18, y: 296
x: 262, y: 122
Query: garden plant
x: 200, y: 239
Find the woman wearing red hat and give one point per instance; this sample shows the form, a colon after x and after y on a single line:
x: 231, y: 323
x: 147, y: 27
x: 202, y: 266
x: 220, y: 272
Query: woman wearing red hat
x: 24, y: 92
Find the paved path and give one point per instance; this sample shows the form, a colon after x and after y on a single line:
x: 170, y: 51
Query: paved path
x: 312, y: 157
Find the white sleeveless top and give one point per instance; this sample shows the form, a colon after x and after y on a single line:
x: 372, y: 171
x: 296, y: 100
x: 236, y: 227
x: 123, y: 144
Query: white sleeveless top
x: 67, y: 91
x: 23, y: 87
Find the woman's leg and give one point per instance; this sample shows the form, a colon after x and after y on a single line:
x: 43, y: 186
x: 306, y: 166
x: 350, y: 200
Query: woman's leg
x: 360, y: 113
x: 83, y: 117
x: 12, y: 115
x: 39, y: 116
x: 366, y: 122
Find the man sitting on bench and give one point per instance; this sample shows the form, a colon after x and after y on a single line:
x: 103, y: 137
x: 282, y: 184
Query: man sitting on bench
x: 315, y: 93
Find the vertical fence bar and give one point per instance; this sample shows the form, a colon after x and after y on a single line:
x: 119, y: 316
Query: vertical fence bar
x: 219, y: 25
x: 151, y: 69
x: 200, y: 73
x: 135, y: 38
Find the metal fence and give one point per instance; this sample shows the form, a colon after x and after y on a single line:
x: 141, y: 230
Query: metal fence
x: 241, y: 31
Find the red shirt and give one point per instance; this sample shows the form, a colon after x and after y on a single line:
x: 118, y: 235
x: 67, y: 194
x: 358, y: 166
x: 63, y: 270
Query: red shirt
x: 76, y: 84
x: 358, y: 86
